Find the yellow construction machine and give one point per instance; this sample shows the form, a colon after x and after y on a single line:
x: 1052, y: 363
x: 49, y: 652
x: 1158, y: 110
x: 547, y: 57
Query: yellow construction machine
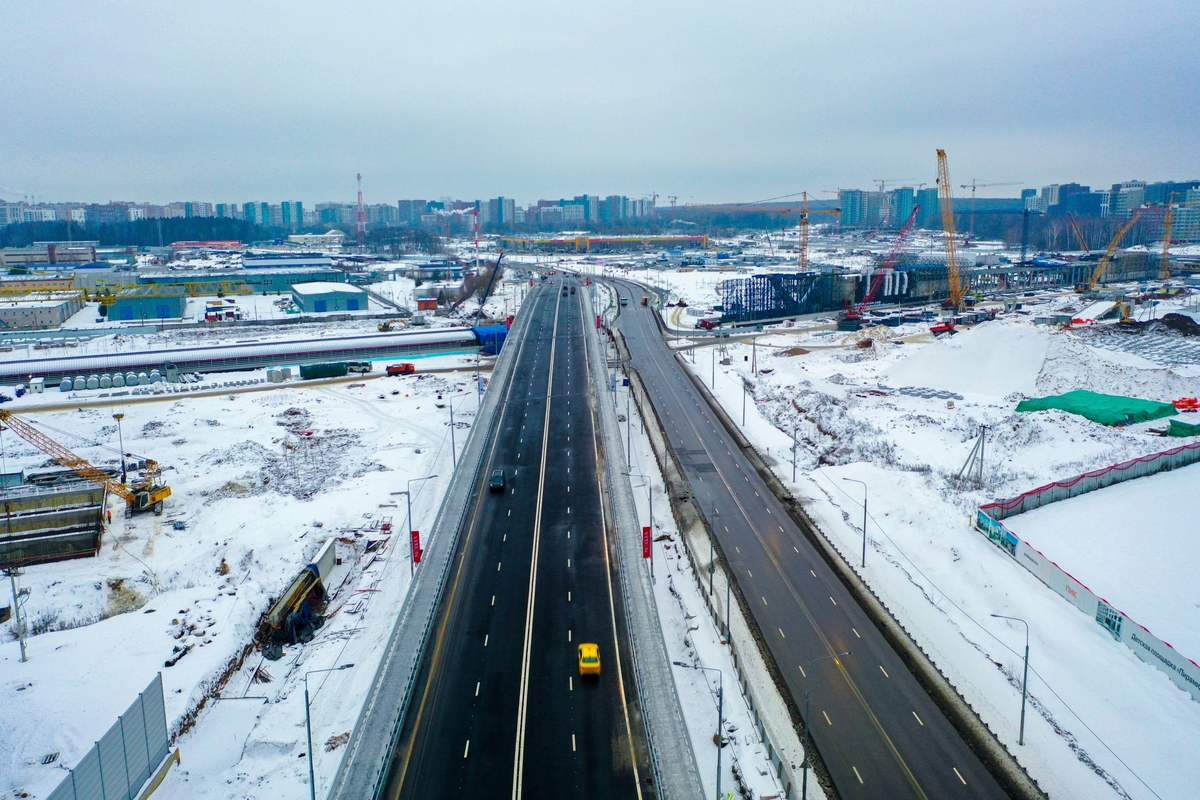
x: 146, y: 494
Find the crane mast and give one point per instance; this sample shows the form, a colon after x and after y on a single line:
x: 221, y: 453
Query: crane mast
x: 1102, y: 267
x: 946, y: 199
x: 361, y: 216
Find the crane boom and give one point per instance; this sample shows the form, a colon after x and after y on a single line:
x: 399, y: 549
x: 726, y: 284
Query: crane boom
x: 1102, y: 267
x: 1168, y: 220
x: 890, y: 261
x: 946, y: 199
x: 140, y: 498
x: 1078, y: 233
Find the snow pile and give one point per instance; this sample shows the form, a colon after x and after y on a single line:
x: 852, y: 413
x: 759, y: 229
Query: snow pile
x: 993, y: 359
x: 1071, y: 364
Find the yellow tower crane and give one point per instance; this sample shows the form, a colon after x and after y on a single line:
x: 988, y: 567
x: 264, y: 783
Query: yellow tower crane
x: 802, y: 256
x: 946, y: 200
x: 1102, y: 267
x: 146, y: 495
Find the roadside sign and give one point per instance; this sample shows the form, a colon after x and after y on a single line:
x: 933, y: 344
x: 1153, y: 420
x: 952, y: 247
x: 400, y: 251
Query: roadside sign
x: 416, y: 547
x: 645, y: 541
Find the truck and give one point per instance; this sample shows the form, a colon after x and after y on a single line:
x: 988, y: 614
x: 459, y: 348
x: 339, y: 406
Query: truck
x: 624, y: 301
x: 403, y: 368
x: 332, y: 369
x: 705, y: 324
x: 645, y: 300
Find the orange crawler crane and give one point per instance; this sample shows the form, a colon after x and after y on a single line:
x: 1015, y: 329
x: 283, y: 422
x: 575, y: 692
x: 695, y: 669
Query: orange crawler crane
x: 145, y: 495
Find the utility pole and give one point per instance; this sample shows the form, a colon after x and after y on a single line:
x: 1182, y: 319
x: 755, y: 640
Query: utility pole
x: 794, y: 453
x: 361, y: 216
x: 804, y: 766
x: 720, y: 712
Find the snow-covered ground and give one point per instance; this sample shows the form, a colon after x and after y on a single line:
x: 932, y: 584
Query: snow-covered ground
x: 1133, y: 544
x: 902, y: 415
x: 257, y: 497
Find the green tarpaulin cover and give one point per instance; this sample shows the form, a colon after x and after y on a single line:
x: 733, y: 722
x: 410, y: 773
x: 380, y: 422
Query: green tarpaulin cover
x: 1107, y: 409
x: 1183, y: 428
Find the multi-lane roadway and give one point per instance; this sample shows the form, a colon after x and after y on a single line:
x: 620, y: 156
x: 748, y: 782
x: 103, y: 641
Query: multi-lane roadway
x: 878, y: 732
x: 499, y: 709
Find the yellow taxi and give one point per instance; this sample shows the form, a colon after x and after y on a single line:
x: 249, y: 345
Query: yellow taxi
x: 589, y: 659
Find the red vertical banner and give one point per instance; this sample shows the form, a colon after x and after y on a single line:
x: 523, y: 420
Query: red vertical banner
x: 645, y: 541
x: 597, y: 322
x: 416, y: 547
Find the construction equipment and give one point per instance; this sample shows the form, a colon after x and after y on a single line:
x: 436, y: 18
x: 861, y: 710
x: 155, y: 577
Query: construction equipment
x: 1168, y: 220
x: 487, y: 289
x: 1079, y: 234
x: 802, y: 257
x: 386, y: 326
x: 1102, y: 267
x: 973, y: 185
x: 886, y: 266
x: 946, y: 199
x: 147, y: 494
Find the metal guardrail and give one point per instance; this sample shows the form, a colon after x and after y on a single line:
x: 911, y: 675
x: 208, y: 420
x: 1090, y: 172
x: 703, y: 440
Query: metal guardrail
x: 122, y: 761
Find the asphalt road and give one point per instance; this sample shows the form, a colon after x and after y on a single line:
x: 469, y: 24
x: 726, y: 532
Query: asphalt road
x: 879, y: 733
x: 500, y: 709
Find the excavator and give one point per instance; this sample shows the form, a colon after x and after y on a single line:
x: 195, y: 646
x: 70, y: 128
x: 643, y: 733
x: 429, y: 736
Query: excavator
x: 145, y: 494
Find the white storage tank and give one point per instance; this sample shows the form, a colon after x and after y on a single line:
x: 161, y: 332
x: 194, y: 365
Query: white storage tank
x: 105, y: 381
x: 80, y: 383
x: 66, y: 385
x: 118, y: 380
x: 131, y: 379
x: 93, y: 382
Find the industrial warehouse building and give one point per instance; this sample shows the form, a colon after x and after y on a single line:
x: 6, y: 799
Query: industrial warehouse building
x: 34, y: 314
x: 270, y: 280
x: 132, y: 304
x: 319, y: 298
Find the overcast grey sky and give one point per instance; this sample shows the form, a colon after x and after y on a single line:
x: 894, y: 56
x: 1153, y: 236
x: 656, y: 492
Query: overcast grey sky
x: 234, y: 101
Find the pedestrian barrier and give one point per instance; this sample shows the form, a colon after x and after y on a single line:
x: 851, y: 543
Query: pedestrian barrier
x: 1182, y: 671
x: 122, y: 761
x: 1096, y: 479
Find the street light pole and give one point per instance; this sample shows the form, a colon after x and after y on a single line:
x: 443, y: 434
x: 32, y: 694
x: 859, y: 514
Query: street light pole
x: 720, y: 712
x: 794, y: 453
x: 650, y: 503
x: 412, y: 565
x: 864, y: 547
x: 1025, y: 680
x: 312, y: 784
x: 805, y: 764
x: 121, y: 438
x: 743, y: 401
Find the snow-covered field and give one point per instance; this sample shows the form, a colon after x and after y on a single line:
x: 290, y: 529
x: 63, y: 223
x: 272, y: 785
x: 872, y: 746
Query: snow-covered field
x: 902, y: 416
x: 257, y: 497
x: 1134, y: 544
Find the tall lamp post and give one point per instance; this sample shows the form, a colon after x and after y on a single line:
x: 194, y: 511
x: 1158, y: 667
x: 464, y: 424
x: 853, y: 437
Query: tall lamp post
x: 312, y: 785
x: 412, y: 564
x: 720, y: 711
x: 864, y: 547
x: 121, y: 439
x: 804, y: 766
x: 650, y: 503
x: 1025, y: 680
x: 453, y: 449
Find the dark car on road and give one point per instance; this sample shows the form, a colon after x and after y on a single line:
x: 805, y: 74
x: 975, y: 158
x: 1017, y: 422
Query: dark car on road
x: 496, y: 482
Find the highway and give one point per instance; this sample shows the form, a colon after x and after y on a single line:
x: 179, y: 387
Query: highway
x: 499, y: 708
x: 878, y: 732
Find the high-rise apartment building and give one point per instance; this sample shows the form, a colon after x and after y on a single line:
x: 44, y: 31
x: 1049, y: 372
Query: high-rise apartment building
x: 900, y: 206
x: 257, y: 213
x: 930, y: 215
x: 291, y: 215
